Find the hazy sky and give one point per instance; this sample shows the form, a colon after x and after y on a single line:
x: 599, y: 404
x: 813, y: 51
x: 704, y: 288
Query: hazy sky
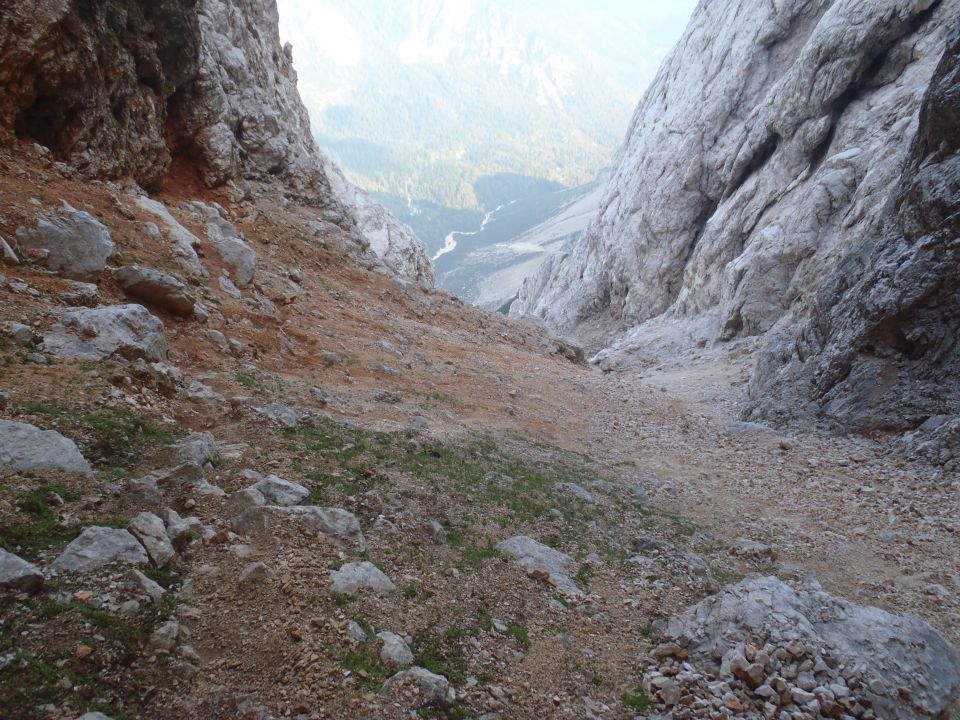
x: 321, y: 26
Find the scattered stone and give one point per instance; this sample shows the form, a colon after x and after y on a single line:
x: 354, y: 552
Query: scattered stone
x: 18, y: 574
x: 244, y: 499
x: 129, y: 331
x: 226, y: 284
x: 26, y: 448
x: 73, y: 243
x: 576, y: 490
x: 238, y: 257
x: 356, y: 633
x: 156, y: 288
x: 281, y: 414
x: 94, y: 716
x: 752, y: 550
x: 81, y: 294
x: 767, y: 642
x: 7, y: 255
x: 354, y: 578
x: 437, y: 532
x: 395, y: 651
x: 164, y: 638
x: 434, y: 690
x: 182, y: 531
x: 148, y: 587
x: 21, y: 334
x: 277, y: 491
x: 198, y: 448
x: 337, y: 525
x: 99, y: 546
x: 256, y: 573
x: 184, y: 242
x: 542, y: 562
x: 152, y: 533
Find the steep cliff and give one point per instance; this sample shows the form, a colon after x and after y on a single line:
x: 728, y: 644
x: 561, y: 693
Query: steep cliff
x: 759, y: 163
x: 121, y: 87
x: 879, y: 344
x: 759, y: 155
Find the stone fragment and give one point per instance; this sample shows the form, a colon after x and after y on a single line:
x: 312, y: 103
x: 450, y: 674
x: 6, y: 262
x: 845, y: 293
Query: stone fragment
x: 354, y: 578
x: 26, y: 448
x: 99, y: 546
x: 576, y: 490
x: 277, y: 491
x: 152, y: 533
x: 198, y: 448
x: 752, y: 550
x: 156, y: 288
x: 541, y: 561
x: 395, y: 650
x: 18, y: 574
x: 148, y: 587
x: 128, y: 331
x: 7, y: 255
x: 337, y: 525
x: 433, y: 690
x: 75, y: 244
x: 356, y: 632
x: 256, y: 573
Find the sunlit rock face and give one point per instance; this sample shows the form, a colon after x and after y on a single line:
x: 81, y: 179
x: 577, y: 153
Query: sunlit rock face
x: 762, y: 161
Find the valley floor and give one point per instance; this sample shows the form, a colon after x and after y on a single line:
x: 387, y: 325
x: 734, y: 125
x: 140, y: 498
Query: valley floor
x: 445, y: 431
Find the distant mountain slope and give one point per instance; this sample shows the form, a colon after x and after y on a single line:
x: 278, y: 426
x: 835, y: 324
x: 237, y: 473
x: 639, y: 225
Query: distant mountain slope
x: 420, y: 98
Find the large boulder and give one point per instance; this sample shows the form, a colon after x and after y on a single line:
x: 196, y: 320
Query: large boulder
x: 17, y: 574
x: 27, y: 448
x: 542, y: 562
x: 156, y: 288
x: 906, y: 669
x: 97, y: 547
x: 76, y: 245
x: 129, y: 331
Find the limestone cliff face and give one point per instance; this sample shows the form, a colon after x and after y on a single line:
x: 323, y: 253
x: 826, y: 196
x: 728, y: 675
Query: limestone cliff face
x: 121, y: 87
x: 758, y: 165
x: 761, y: 154
x: 878, y: 345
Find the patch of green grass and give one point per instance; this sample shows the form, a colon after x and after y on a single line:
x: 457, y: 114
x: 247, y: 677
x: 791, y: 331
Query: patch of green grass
x: 40, y: 407
x: 725, y: 577
x: 562, y: 600
x: 119, y: 435
x: 442, y: 654
x: 27, y: 682
x: 647, y: 630
x: 585, y: 575
x: 409, y: 591
x: 474, y: 556
x: 364, y: 662
x: 454, y: 711
x: 638, y: 700
x: 163, y: 577
x: 111, y: 626
x: 519, y: 633
x: 254, y: 384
